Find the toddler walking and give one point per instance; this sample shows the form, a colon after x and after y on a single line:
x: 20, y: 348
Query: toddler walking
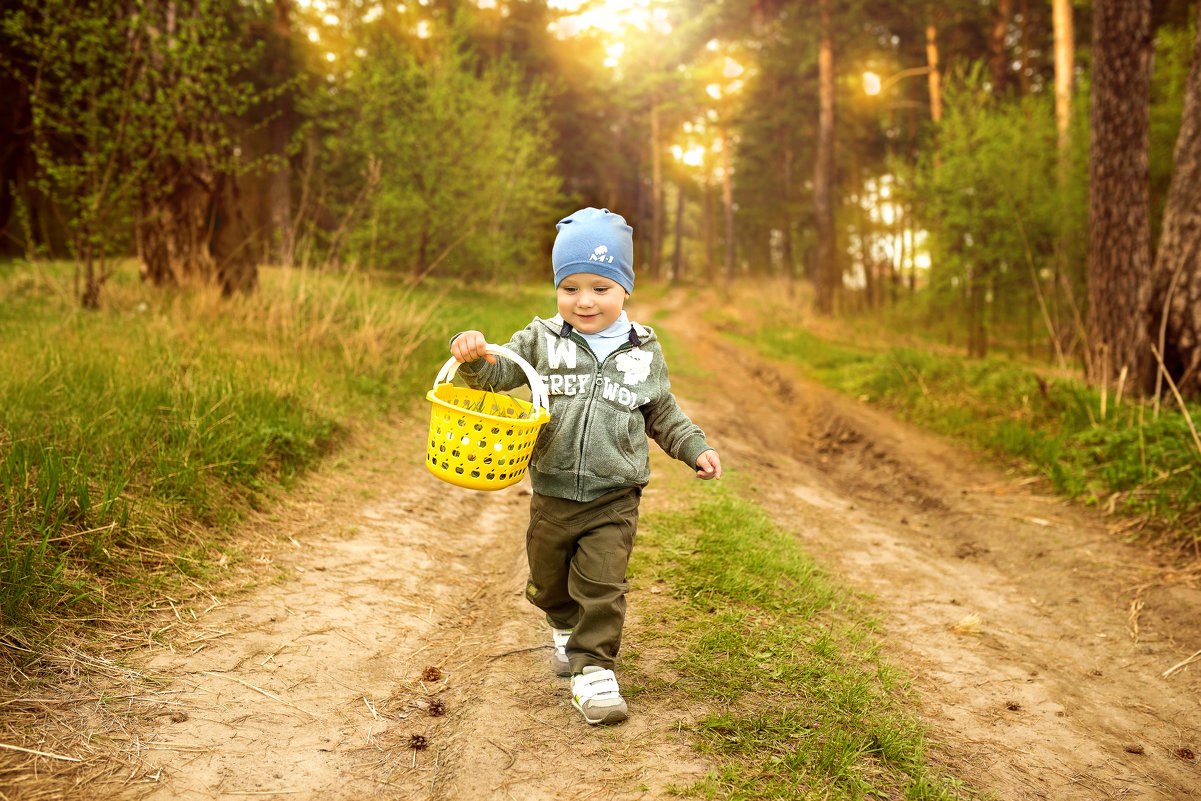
x: 608, y: 387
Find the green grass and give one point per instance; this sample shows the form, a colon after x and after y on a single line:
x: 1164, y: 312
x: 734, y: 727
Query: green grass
x: 798, y: 702
x: 1145, y: 467
x: 133, y: 438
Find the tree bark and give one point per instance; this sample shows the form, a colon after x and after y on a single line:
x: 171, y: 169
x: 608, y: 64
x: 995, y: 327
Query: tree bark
x: 1176, y: 278
x: 173, y: 230
x: 1024, y: 75
x: 281, y: 130
x: 707, y: 226
x: 998, y: 47
x: 934, y: 79
x: 727, y: 200
x: 15, y: 125
x: 677, y: 271
x: 656, y: 243
x: 1065, y: 58
x: 828, y: 274
x: 1119, y: 248
x: 1065, y: 63
x: 195, y: 234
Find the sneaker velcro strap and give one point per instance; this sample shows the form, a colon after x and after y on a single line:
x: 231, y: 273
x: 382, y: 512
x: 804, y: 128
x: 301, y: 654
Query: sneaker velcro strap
x: 596, y: 684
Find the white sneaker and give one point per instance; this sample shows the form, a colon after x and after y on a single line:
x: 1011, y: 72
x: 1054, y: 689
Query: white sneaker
x: 595, y: 693
x: 558, y: 656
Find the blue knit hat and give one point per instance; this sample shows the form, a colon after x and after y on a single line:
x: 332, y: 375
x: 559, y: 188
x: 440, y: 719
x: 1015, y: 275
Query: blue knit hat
x: 594, y: 241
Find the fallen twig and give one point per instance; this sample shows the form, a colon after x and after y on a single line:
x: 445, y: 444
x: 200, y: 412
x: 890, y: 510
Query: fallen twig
x: 519, y: 651
x: 40, y: 753
x: 1180, y: 665
x: 259, y: 690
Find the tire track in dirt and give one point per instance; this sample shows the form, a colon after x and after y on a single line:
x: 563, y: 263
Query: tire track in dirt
x: 318, y: 688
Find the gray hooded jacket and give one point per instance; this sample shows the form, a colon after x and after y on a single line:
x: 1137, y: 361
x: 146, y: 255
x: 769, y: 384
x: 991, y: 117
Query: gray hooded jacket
x: 600, y: 413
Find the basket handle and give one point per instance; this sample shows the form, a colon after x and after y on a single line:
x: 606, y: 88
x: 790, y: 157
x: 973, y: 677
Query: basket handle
x: 538, y: 395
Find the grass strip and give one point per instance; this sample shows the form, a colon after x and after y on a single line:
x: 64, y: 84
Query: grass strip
x: 1130, y: 460
x: 798, y: 702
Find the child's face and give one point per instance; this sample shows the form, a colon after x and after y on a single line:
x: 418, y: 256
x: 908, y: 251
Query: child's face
x: 591, y: 303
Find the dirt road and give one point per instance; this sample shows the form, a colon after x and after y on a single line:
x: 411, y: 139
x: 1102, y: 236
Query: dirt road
x: 399, y: 659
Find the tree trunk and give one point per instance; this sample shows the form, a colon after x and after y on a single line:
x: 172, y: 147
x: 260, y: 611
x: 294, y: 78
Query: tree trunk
x: 196, y: 235
x: 173, y: 230
x: 656, y: 199
x: 786, y: 218
x: 281, y: 129
x: 237, y: 268
x: 828, y: 274
x: 1119, y: 237
x: 707, y: 226
x: 677, y: 268
x: 1176, y: 279
x: 1065, y: 62
x: 727, y: 200
x: 999, y: 59
x: 934, y: 79
x: 1024, y: 75
x: 15, y: 129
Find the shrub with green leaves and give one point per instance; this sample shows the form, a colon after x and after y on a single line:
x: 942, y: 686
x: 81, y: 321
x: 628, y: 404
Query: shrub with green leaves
x: 447, y: 162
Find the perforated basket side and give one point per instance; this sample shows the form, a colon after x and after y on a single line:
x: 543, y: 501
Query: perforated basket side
x: 476, y: 450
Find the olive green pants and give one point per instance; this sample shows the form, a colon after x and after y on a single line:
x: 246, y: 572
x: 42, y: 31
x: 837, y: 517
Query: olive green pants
x: 578, y: 553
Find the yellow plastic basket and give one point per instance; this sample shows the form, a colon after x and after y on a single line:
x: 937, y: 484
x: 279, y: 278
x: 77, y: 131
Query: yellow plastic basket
x: 483, y: 440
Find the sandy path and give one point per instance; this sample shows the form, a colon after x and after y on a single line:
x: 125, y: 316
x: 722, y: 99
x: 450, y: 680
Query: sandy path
x: 312, y: 687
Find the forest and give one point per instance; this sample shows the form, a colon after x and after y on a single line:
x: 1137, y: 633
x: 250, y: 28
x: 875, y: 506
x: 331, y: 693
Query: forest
x: 929, y: 277
x: 1010, y: 173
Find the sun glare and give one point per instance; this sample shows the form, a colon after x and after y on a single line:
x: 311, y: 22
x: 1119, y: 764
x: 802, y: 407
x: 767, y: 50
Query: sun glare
x: 612, y: 19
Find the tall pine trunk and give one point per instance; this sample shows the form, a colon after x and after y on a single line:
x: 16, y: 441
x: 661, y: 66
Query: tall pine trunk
x: 280, y: 131
x: 656, y: 153
x: 829, y: 277
x: 727, y: 202
x: 677, y: 258
x: 934, y: 78
x: 1065, y: 64
x: 1176, y: 279
x: 998, y: 49
x: 1119, y: 236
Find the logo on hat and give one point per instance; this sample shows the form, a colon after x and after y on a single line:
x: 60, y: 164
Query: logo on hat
x: 599, y: 255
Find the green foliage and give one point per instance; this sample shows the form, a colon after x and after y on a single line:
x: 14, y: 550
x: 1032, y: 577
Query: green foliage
x: 800, y: 702
x: 1130, y: 460
x: 124, y: 98
x: 455, y: 157
x: 1173, y: 55
x: 988, y: 194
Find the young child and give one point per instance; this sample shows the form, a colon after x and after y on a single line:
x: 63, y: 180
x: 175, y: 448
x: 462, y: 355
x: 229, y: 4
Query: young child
x: 608, y: 388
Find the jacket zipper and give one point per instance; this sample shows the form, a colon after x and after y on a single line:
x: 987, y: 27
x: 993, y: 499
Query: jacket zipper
x: 600, y: 366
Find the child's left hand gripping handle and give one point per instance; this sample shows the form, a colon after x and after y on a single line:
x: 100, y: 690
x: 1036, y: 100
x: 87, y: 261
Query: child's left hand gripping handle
x: 471, y: 345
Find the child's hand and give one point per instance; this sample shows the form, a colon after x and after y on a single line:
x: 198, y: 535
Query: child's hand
x: 471, y: 345
x: 708, y: 465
